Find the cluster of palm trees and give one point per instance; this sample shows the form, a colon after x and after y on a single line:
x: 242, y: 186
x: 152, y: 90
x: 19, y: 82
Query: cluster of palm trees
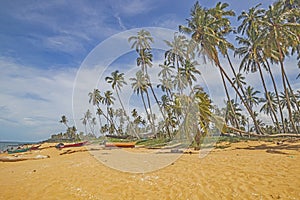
x: 69, y: 135
x: 177, y: 96
x: 265, y: 39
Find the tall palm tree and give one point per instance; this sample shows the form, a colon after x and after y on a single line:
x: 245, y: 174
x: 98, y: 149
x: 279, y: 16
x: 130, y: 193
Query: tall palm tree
x: 233, y: 113
x: 64, y: 121
x: 84, y: 122
x: 176, y: 56
x: 117, y: 81
x: 281, y: 35
x: 141, y: 43
x: 178, y: 48
x: 96, y: 99
x: 209, y: 30
x: 88, y: 118
x: 189, y: 72
x: 251, y: 52
x: 108, y: 100
x: 166, y: 81
x: 268, y: 108
x: 239, y: 81
x: 251, y: 96
x: 140, y: 86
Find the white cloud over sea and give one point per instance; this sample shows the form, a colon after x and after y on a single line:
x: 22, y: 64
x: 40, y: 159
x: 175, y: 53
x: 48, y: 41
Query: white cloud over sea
x: 32, y: 100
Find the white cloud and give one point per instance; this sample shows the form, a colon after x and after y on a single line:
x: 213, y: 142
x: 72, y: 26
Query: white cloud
x: 32, y: 100
x: 132, y: 7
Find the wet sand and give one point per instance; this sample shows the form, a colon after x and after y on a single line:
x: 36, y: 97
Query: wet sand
x: 244, y: 170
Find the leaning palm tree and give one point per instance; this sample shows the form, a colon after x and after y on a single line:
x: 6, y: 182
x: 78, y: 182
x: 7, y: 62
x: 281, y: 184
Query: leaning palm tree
x: 280, y: 36
x: 251, y: 52
x: 117, y: 81
x: 209, y: 30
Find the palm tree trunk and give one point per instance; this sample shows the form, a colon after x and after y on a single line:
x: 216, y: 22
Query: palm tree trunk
x: 108, y: 120
x: 258, y: 129
x: 160, y: 108
x: 121, y: 102
x: 145, y: 107
x: 287, y: 98
x: 268, y: 97
x: 151, y: 114
x: 229, y: 100
x: 277, y: 95
x: 291, y: 91
x: 243, y: 92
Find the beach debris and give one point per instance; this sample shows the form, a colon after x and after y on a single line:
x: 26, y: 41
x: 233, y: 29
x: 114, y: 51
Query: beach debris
x: 16, y: 158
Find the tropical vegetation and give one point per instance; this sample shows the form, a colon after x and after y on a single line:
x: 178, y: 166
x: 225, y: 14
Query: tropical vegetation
x: 264, y: 39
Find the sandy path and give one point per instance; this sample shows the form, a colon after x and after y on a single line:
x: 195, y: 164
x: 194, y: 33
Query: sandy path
x: 246, y: 170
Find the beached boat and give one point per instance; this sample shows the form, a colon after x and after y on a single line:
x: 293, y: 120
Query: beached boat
x: 18, y: 150
x: 120, y: 144
x: 61, y: 145
x: 35, y: 147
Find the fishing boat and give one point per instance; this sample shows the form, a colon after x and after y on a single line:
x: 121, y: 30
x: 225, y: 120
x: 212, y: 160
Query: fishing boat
x: 19, y: 150
x: 120, y: 144
x: 62, y: 145
x: 35, y: 147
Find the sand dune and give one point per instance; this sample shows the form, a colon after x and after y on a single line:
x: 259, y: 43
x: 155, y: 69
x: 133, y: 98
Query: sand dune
x: 245, y: 170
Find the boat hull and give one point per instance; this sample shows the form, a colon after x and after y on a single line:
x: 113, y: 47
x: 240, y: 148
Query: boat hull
x: 120, y: 144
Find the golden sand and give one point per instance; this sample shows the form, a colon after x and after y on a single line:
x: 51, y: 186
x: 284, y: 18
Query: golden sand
x: 245, y: 170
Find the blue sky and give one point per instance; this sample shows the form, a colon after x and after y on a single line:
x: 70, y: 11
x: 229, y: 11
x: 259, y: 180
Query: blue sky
x: 44, y: 43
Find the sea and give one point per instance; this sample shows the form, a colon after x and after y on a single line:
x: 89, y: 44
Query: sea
x: 5, y: 144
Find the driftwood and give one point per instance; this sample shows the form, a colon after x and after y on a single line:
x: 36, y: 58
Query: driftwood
x: 257, y: 135
x: 16, y: 159
x: 118, y: 136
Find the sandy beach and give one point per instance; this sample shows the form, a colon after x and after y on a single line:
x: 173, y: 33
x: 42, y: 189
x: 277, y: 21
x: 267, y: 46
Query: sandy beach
x: 244, y: 170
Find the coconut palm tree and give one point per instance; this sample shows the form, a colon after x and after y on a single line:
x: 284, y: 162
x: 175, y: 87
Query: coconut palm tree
x: 108, y: 100
x: 280, y: 36
x: 239, y: 81
x: 178, y: 48
x: 251, y: 52
x: 166, y: 81
x: 268, y: 108
x: 233, y: 115
x: 251, y: 96
x: 189, y: 72
x: 84, y: 122
x: 141, y: 43
x: 140, y: 86
x: 209, y: 31
x: 64, y: 121
x: 117, y: 81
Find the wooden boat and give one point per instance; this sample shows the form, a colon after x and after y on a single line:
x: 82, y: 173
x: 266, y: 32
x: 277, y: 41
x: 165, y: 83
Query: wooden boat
x: 35, y: 147
x: 18, y: 150
x: 120, y: 144
x: 61, y: 145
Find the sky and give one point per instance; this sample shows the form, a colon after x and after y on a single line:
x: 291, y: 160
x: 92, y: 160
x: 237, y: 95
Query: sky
x: 46, y: 45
